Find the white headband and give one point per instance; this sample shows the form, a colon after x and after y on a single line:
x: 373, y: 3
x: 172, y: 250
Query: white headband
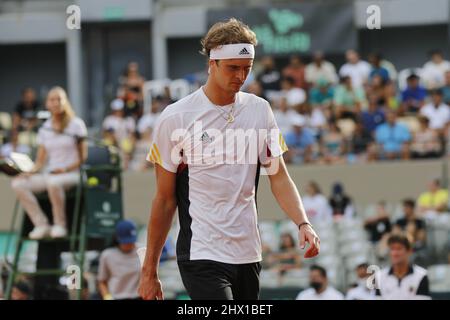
x: 233, y: 51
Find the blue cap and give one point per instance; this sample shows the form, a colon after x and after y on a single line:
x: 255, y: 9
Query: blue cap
x: 126, y: 232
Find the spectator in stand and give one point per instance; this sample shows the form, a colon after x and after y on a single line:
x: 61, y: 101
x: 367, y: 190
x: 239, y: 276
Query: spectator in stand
x: 321, y: 96
x: 25, y: 113
x: 320, y: 288
x: 119, y: 268
x: 145, y: 129
x: 283, y: 116
x: 379, y: 228
x: 300, y: 142
x: 340, y: 203
x: 270, y: 77
x: 446, y: 88
x: 413, y: 227
x: 437, y: 112
x: 348, y: 100
x: 379, y: 225
x: 316, y: 204
x: 402, y: 280
x: 391, y: 97
x: 413, y: 97
x: 139, y: 162
x: 377, y: 69
x: 373, y: 116
x: 426, y: 142
x: 132, y: 103
x: 361, y: 141
x: 147, y: 122
x: 392, y: 139
x: 434, y: 201
x: 316, y: 118
x: 320, y: 70
x: 132, y: 80
x: 389, y: 66
x: 294, y: 96
x: 109, y: 138
x: 361, y: 291
x: 123, y: 127
x: 377, y: 88
x: 355, y: 68
x: 288, y: 256
x: 332, y: 146
x: 434, y: 70
x: 296, y: 70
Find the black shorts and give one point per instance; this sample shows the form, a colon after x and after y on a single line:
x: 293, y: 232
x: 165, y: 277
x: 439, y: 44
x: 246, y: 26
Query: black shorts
x: 212, y: 280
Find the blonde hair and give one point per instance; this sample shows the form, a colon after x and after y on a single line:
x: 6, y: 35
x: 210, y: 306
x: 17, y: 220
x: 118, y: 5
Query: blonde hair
x: 227, y: 32
x: 68, y: 113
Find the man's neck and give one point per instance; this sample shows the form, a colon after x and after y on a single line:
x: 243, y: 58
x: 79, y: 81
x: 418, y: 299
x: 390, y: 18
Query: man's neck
x: 216, y: 95
x: 400, y: 270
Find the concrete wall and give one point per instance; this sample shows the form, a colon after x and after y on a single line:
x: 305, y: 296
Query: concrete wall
x: 366, y: 183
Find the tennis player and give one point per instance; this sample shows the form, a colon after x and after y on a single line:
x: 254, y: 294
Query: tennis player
x: 214, y: 185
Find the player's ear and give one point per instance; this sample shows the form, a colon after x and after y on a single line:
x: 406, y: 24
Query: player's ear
x: 211, y: 65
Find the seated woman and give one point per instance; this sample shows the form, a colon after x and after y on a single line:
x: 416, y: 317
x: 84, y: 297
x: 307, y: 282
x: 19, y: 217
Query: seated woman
x: 288, y: 257
x: 61, y: 151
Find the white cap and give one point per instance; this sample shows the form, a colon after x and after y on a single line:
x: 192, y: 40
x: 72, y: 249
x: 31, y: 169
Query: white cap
x: 117, y: 104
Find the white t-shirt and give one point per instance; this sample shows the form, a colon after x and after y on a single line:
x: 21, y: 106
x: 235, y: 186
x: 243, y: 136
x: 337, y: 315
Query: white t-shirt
x: 216, y: 200
x: 438, y: 117
x: 122, y: 127
x: 317, y: 207
x: 330, y: 293
x: 61, y: 148
x: 358, y: 72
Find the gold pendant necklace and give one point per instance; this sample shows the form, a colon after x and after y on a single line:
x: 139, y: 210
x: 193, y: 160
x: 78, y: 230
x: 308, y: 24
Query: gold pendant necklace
x: 230, y: 118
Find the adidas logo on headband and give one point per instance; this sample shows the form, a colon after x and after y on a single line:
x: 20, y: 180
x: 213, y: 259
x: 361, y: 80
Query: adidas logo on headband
x: 233, y: 51
x: 244, y: 51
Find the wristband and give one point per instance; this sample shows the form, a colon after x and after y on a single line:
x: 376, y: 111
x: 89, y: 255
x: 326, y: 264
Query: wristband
x: 303, y: 223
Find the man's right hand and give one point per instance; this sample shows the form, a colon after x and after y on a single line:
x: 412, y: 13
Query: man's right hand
x: 150, y: 288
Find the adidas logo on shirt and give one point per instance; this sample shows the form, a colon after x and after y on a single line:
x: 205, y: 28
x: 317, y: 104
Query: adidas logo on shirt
x: 205, y: 138
x: 244, y: 51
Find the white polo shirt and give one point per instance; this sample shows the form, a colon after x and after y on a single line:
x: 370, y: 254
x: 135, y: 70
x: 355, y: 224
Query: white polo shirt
x: 61, y: 149
x: 413, y: 286
x: 216, y: 179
